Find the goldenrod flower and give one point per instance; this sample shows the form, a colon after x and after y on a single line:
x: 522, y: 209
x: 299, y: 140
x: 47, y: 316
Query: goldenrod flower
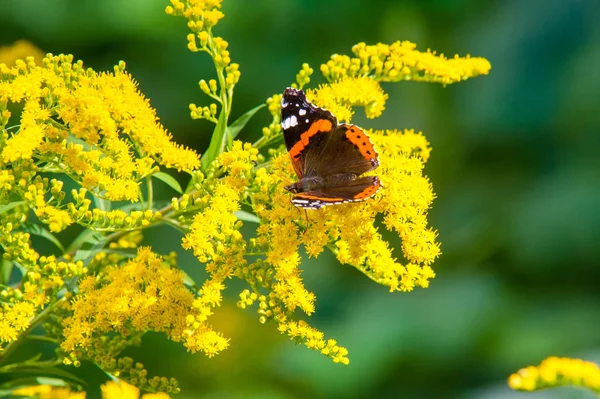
x: 341, y: 96
x: 110, y: 390
x: 48, y: 392
x: 557, y: 371
x: 19, y: 50
x: 15, y: 319
x: 106, y: 112
x: 401, y: 61
x: 142, y: 295
x: 96, y: 130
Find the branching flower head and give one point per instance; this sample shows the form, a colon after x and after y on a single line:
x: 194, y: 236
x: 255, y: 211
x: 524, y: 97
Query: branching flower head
x: 96, y: 127
x: 349, y: 231
x: 556, y: 371
x: 97, y: 134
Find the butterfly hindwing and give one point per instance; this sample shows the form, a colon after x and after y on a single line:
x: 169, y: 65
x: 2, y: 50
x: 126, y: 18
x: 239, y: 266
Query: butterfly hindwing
x: 358, y: 190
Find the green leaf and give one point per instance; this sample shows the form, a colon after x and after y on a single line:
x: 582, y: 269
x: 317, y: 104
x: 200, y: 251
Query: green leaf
x: 42, y: 375
x: 236, y: 127
x: 6, y: 267
x: 247, y: 217
x: 188, y: 281
x: 125, y: 252
x: 41, y: 231
x: 8, y: 207
x: 7, y: 388
x: 169, y: 181
x: 217, y: 141
x: 83, y: 254
x: 102, y: 203
x: 86, y: 236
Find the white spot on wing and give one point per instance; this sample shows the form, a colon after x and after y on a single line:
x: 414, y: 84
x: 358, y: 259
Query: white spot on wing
x: 289, y: 122
x: 302, y: 112
x: 283, y: 103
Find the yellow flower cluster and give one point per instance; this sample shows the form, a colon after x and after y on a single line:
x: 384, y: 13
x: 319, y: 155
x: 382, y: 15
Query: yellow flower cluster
x: 401, y: 61
x: 48, y: 392
x: 96, y: 127
x: 557, y: 371
x: 45, y: 277
x: 14, y: 319
x: 339, y: 97
x: 19, y: 50
x: 100, y: 131
x: 202, y: 16
x: 142, y: 295
x: 348, y: 230
x: 110, y: 390
x: 123, y: 390
x: 204, y: 13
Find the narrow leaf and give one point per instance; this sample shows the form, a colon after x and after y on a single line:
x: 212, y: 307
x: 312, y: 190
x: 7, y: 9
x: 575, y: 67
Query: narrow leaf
x: 247, y: 217
x: 41, y: 231
x: 169, y: 181
x: 8, y: 207
x: 236, y: 127
x: 87, y: 236
x: 217, y: 141
x: 83, y: 254
x: 6, y: 267
x: 187, y: 280
x: 46, y: 374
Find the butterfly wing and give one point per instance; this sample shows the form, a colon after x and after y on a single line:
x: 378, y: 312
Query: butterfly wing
x: 356, y: 190
x: 347, y: 149
x: 305, y: 127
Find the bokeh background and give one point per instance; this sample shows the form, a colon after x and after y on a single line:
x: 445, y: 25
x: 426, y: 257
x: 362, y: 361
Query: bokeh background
x: 515, y: 166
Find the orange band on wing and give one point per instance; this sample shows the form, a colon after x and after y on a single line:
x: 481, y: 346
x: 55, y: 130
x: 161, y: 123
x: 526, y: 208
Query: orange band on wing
x: 321, y: 125
x: 362, y: 142
x: 369, y: 191
x: 322, y: 199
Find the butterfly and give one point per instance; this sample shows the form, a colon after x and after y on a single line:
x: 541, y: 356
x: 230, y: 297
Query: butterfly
x: 328, y: 157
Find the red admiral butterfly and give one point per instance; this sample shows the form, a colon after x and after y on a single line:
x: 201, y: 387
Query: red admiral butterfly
x: 328, y: 157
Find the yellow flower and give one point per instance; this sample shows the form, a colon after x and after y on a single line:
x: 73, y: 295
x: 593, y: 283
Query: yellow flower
x: 556, y: 371
x: 48, y: 392
x: 28, y: 139
x: 349, y: 230
x: 123, y: 390
x: 19, y: 50
x: 104, y: 111
x: 119, y: 390
x: 401, y: 61
x: 142, y: 295
x: 341, y: 96
x: 56, y: 219
x: 15, y: 319
x: 110, y: 390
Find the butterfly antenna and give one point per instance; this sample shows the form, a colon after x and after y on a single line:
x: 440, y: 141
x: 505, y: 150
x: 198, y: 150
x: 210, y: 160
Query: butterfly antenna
x: 284, y: 178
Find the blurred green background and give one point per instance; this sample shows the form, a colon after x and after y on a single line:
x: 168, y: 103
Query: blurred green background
x: 515, y: 167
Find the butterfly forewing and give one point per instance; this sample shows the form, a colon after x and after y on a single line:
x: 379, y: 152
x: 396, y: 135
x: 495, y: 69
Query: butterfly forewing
x: 341, y: 153
x: 303, y: 125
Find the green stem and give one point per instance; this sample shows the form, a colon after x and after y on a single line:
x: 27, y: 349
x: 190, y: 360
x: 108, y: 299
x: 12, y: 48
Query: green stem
x: 42, y: 338
x: 150, y: 191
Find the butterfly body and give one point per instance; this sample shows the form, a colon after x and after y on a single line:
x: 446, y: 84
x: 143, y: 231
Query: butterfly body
x: 328, y: 157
